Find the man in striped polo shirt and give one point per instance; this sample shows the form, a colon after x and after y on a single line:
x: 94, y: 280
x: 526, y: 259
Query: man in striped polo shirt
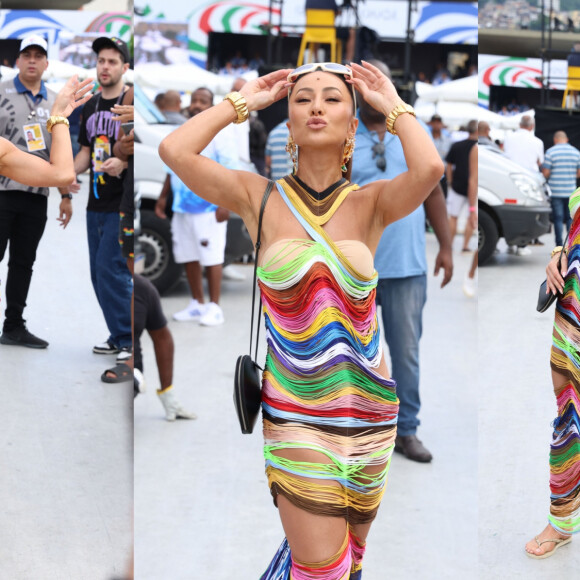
x: 561, y: 168
x: 278, y: 162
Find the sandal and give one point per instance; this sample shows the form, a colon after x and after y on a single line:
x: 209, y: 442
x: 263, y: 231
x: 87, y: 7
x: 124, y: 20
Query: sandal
x: 121, y: 373
x: 558, y: 541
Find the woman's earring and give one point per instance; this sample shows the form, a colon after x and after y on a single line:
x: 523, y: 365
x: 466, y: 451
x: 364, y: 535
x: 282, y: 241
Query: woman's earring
x: 348, y: 151
x: 292, y: 150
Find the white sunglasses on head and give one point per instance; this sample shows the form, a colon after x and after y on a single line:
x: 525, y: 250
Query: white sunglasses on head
x: 331, y: 67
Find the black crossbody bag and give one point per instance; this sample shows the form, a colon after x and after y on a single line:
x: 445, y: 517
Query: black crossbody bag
x: 247, y: 379
x: 546, y: 300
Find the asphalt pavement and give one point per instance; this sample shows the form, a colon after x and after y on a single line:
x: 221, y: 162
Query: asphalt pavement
x: 66, y: 473
x: 516, y: 407
x: 202, y: 505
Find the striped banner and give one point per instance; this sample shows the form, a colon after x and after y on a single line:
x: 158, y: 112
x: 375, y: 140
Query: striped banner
x: 505, y: 71
x: 447, y: 23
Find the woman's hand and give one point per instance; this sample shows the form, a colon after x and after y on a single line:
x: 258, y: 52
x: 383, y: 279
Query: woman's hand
x: 555, y: 277
x: 375, y: 87
x: 71, y: 96
x: 263, y: 91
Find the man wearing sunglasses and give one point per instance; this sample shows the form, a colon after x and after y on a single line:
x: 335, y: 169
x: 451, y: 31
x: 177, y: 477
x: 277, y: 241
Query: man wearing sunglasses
x: 402, y: 266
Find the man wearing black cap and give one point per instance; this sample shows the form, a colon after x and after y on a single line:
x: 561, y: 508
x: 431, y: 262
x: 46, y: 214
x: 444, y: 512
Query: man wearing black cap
x: 25, y: 104
x: 109, y: 273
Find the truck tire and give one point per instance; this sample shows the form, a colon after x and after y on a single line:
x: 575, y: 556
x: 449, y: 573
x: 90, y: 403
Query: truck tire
x: 488, y: 236
x: 155, y: 242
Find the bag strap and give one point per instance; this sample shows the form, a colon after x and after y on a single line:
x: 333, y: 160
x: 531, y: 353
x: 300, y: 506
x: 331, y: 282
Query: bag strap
x: 258, y: 244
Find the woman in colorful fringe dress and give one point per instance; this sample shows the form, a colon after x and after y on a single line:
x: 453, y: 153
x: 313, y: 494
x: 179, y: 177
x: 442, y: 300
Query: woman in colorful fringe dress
x: 329, y: 405
x: 564, y: 518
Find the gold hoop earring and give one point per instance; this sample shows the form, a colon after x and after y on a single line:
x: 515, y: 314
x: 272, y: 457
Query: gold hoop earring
x: 292, y: 150
x: 347, y: 154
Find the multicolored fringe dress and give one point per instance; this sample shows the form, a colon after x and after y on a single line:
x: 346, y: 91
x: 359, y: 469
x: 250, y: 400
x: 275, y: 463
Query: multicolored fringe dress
x: 329, y: 416
x: 565, y: 360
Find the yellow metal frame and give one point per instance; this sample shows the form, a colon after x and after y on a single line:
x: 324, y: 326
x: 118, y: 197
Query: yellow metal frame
x: 320, y: 29
x: 572, y: 83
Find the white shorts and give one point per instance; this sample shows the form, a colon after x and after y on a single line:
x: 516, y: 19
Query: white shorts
x: 455, y: 203
x: 198, y: 237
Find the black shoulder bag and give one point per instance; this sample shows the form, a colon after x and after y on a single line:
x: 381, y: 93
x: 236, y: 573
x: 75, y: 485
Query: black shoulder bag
x: 247, y: 380
x: 546, y: 300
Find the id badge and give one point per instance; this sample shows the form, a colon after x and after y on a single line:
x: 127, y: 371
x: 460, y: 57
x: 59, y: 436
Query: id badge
x: 101, y: 153
x: 34, y: 137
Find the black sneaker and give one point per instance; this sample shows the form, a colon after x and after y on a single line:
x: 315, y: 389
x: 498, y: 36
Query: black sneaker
x: 105, y: 348
x: 21, y: 337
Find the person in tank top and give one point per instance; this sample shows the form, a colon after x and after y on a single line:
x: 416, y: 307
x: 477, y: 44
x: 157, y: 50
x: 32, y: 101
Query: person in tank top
x: 329, y: 405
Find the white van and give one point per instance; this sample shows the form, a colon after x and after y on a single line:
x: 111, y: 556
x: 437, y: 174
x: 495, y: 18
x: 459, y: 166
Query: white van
x: 154, y: 234
x: 513, y: 202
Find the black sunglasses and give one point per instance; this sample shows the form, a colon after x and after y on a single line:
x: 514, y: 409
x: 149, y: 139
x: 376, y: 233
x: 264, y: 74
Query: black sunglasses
x: 379, y: 152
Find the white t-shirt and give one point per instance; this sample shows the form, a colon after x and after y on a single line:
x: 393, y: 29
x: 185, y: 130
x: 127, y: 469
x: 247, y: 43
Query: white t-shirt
x: 525, y: 149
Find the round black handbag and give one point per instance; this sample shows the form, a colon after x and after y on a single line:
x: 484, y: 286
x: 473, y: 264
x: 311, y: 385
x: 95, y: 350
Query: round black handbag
x: 545, y: 300
x: 247, y: 379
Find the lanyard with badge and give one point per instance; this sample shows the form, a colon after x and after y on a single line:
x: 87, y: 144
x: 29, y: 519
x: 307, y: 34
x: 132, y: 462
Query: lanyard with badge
x: 102, y: 148
x: 31, y: 130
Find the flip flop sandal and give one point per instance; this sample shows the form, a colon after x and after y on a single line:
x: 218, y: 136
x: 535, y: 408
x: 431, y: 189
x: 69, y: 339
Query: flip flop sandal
x: 558, y: 541
x: 121, y: 373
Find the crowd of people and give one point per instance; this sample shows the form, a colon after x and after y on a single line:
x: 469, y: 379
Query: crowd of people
x: 238, y: 64
x: 332, y: 158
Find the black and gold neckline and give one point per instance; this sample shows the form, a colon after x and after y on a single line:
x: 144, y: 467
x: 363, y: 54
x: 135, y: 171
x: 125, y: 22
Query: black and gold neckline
x: 319, y: 206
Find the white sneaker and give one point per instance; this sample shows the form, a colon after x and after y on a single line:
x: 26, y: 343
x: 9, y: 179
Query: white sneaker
x: 193, y: 311
x: 213, y: 315
x: 173, y: 408
x: 469, y: 286
x: 524, y: 251
x: 139, y: 380
x: 230, y: 272
x: 125, y: 354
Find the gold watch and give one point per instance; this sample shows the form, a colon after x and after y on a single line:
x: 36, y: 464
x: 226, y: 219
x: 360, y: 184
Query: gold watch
x: 393, y: 115
x: 240, y: 105
x: 557, y: 250
x: 54, y: 120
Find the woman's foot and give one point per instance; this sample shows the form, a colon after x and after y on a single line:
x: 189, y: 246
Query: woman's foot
x: 542, y: 547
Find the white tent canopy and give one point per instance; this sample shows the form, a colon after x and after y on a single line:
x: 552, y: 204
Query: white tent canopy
x: 8, y: 73
x: 462, y: 90
x: 184, y: 77
x: 455, y: 101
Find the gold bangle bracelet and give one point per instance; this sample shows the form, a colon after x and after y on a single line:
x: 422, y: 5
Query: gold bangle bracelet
x: 55, y: 120
x: 240, y: 105
x: 400, y: 109
x: 557, y: 250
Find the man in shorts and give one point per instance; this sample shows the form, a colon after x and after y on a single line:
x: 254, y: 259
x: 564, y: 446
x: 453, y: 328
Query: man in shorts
x: 198, y: 228
x: 149, y: 316
x: 458, y: 178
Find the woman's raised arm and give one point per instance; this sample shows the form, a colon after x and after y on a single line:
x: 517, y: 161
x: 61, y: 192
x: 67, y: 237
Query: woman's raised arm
x: 181, y: 149
x: 406, y: 192
x: 59, y: 171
